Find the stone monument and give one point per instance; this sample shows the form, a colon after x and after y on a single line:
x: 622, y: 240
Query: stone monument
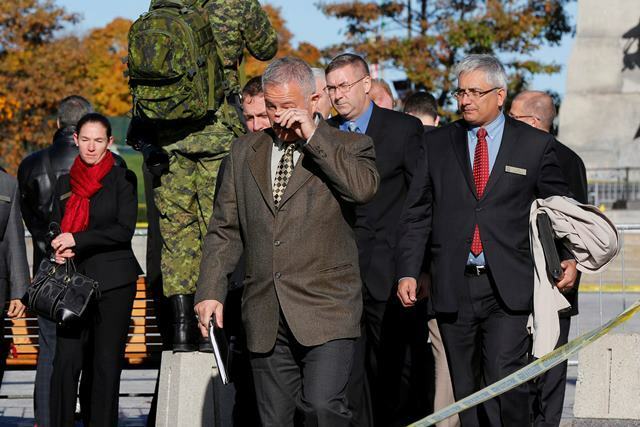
x: 600, y: 112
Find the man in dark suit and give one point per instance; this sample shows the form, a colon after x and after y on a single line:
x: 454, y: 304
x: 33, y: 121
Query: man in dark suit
x: 424, y: 106
x: 14, y: 269
x: 471, y: 196
x: 536, y: 109
x: 287, y: 200
x: 397, y: 138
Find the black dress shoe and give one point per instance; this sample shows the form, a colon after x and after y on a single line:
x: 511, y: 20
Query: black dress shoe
x: 185, y: 326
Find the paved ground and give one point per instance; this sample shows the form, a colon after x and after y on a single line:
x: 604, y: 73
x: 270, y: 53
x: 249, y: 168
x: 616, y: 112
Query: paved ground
x: 16, y: 406
x: 137, y: 385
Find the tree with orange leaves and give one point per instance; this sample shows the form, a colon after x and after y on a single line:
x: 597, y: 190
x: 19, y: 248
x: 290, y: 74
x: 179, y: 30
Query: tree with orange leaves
x: 36, y: 70
x: 305, y: 50
x: 425, y: 38
x: 104, y: 49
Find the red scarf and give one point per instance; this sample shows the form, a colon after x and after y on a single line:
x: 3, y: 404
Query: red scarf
x: 85, y: 182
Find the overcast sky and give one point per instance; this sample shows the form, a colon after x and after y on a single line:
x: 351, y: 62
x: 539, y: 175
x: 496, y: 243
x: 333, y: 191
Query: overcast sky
x: 306, y: 23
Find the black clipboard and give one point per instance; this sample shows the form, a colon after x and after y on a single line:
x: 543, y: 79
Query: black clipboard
x: 545, y: 232
x: 221, y: 350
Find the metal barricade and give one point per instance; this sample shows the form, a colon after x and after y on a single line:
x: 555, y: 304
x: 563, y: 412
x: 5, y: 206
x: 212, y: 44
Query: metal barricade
x: 606, y: 294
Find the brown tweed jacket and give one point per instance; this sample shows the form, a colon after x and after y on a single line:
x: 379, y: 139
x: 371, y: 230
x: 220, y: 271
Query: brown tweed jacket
x: 301, y: 258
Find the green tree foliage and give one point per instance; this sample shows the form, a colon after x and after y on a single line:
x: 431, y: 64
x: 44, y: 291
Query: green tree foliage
x: 425, y: 38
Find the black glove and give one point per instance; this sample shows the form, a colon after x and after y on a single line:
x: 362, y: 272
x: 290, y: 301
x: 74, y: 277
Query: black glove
x: 142, y: 136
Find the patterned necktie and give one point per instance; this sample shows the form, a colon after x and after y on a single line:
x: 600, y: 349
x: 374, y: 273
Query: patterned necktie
x: 480, y: 177
x: 353, y: 127
x: 283, y: 173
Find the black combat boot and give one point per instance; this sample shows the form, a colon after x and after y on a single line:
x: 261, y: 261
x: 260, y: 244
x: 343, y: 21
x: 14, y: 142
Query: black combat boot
x: 185, y: 325
x: 205, y: 345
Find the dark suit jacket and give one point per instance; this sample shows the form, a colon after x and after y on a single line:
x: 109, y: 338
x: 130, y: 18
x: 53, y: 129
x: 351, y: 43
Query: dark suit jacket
x: 442, y: 204
x: 103, y: 251
x: 397, y: 138
x: 301, y: 258
x: 14, y: 269
x: 576, y: 176
x: 574, y: 172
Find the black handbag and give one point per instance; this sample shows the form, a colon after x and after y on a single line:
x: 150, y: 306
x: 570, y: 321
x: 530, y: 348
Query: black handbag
x: 59, y: 293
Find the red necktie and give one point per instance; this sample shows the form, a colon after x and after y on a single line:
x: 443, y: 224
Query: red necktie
x: 480, y: 177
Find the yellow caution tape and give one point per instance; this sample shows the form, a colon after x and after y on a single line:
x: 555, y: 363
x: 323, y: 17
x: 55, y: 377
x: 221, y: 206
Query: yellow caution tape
x: 591, y: 288
x: 530, y: 371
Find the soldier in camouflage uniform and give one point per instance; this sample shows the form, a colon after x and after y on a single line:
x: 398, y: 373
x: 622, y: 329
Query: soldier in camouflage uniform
x: 185, y: 196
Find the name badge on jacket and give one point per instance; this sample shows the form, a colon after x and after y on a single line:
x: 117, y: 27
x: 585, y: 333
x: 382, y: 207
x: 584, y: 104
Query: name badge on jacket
x: 517, y: 171
x: 5, y: 198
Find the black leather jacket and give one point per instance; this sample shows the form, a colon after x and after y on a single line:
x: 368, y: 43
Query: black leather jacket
x: 36, y: 188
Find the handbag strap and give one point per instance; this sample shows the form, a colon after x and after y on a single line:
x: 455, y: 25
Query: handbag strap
x: 70, y: 266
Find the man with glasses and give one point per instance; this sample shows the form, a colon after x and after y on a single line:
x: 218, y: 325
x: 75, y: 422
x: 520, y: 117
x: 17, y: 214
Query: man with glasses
x: 397, y: 138
x: 536, y: 109
x: 470, y: 199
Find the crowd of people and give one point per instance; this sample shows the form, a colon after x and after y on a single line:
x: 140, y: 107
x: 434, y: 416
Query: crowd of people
x: 372, y: 265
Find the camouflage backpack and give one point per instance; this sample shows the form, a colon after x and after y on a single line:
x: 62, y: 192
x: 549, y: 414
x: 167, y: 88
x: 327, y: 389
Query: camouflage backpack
x: 175, y: 71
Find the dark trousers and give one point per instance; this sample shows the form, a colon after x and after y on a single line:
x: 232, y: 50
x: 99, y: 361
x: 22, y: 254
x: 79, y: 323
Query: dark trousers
x: 391, y: 383
x: 44, y: 370
x: 485, y: 342
x: 100, y: 337
x: 363, y: 377
x: 548, y: 389
x: 312, y: 380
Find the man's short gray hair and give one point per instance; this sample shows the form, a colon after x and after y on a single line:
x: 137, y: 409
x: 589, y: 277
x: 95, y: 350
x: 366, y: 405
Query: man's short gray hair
x: 489, y: 64
x: 288, y: 69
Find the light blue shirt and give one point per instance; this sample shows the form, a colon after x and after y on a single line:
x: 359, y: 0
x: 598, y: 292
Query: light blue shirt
x: 362, y: 122
x: 495, y: 130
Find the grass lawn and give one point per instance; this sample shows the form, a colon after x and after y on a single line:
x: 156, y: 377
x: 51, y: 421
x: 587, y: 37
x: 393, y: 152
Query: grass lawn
x: 134, y: 163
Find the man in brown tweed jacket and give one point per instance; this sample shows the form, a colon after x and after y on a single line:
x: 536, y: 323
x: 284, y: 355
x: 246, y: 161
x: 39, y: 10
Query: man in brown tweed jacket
x: 287, y: 200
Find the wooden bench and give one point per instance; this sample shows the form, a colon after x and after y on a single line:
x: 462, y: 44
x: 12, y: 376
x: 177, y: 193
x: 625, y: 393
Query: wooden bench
x: 144, y: 345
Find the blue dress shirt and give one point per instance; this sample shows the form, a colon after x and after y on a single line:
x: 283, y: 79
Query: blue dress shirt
x: 362, y: 122
x: 494, y: 130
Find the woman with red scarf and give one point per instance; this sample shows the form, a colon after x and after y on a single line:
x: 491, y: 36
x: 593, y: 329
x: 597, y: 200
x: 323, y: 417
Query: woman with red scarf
x: 96, y: 205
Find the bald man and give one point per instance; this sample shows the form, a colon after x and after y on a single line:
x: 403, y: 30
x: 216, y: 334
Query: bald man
x: 547, y: 392
x: 324, y: 102
x: 381, y: 95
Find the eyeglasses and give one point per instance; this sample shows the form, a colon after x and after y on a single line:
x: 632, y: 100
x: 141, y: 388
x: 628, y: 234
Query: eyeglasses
x: 344, y: 87
x: 513, y: 116
x: 472, y: 93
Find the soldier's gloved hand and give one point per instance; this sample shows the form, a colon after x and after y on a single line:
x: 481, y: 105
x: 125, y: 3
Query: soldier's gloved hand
x: 140, y: 132
x: 156, y: 159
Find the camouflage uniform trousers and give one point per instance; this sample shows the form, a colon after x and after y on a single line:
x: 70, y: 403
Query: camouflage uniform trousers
x: 185, y: 205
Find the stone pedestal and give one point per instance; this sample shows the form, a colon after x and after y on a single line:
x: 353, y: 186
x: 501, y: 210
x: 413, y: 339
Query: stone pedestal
x: 600, y: 112
x: 186, y: 390
x: 609, y: 379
